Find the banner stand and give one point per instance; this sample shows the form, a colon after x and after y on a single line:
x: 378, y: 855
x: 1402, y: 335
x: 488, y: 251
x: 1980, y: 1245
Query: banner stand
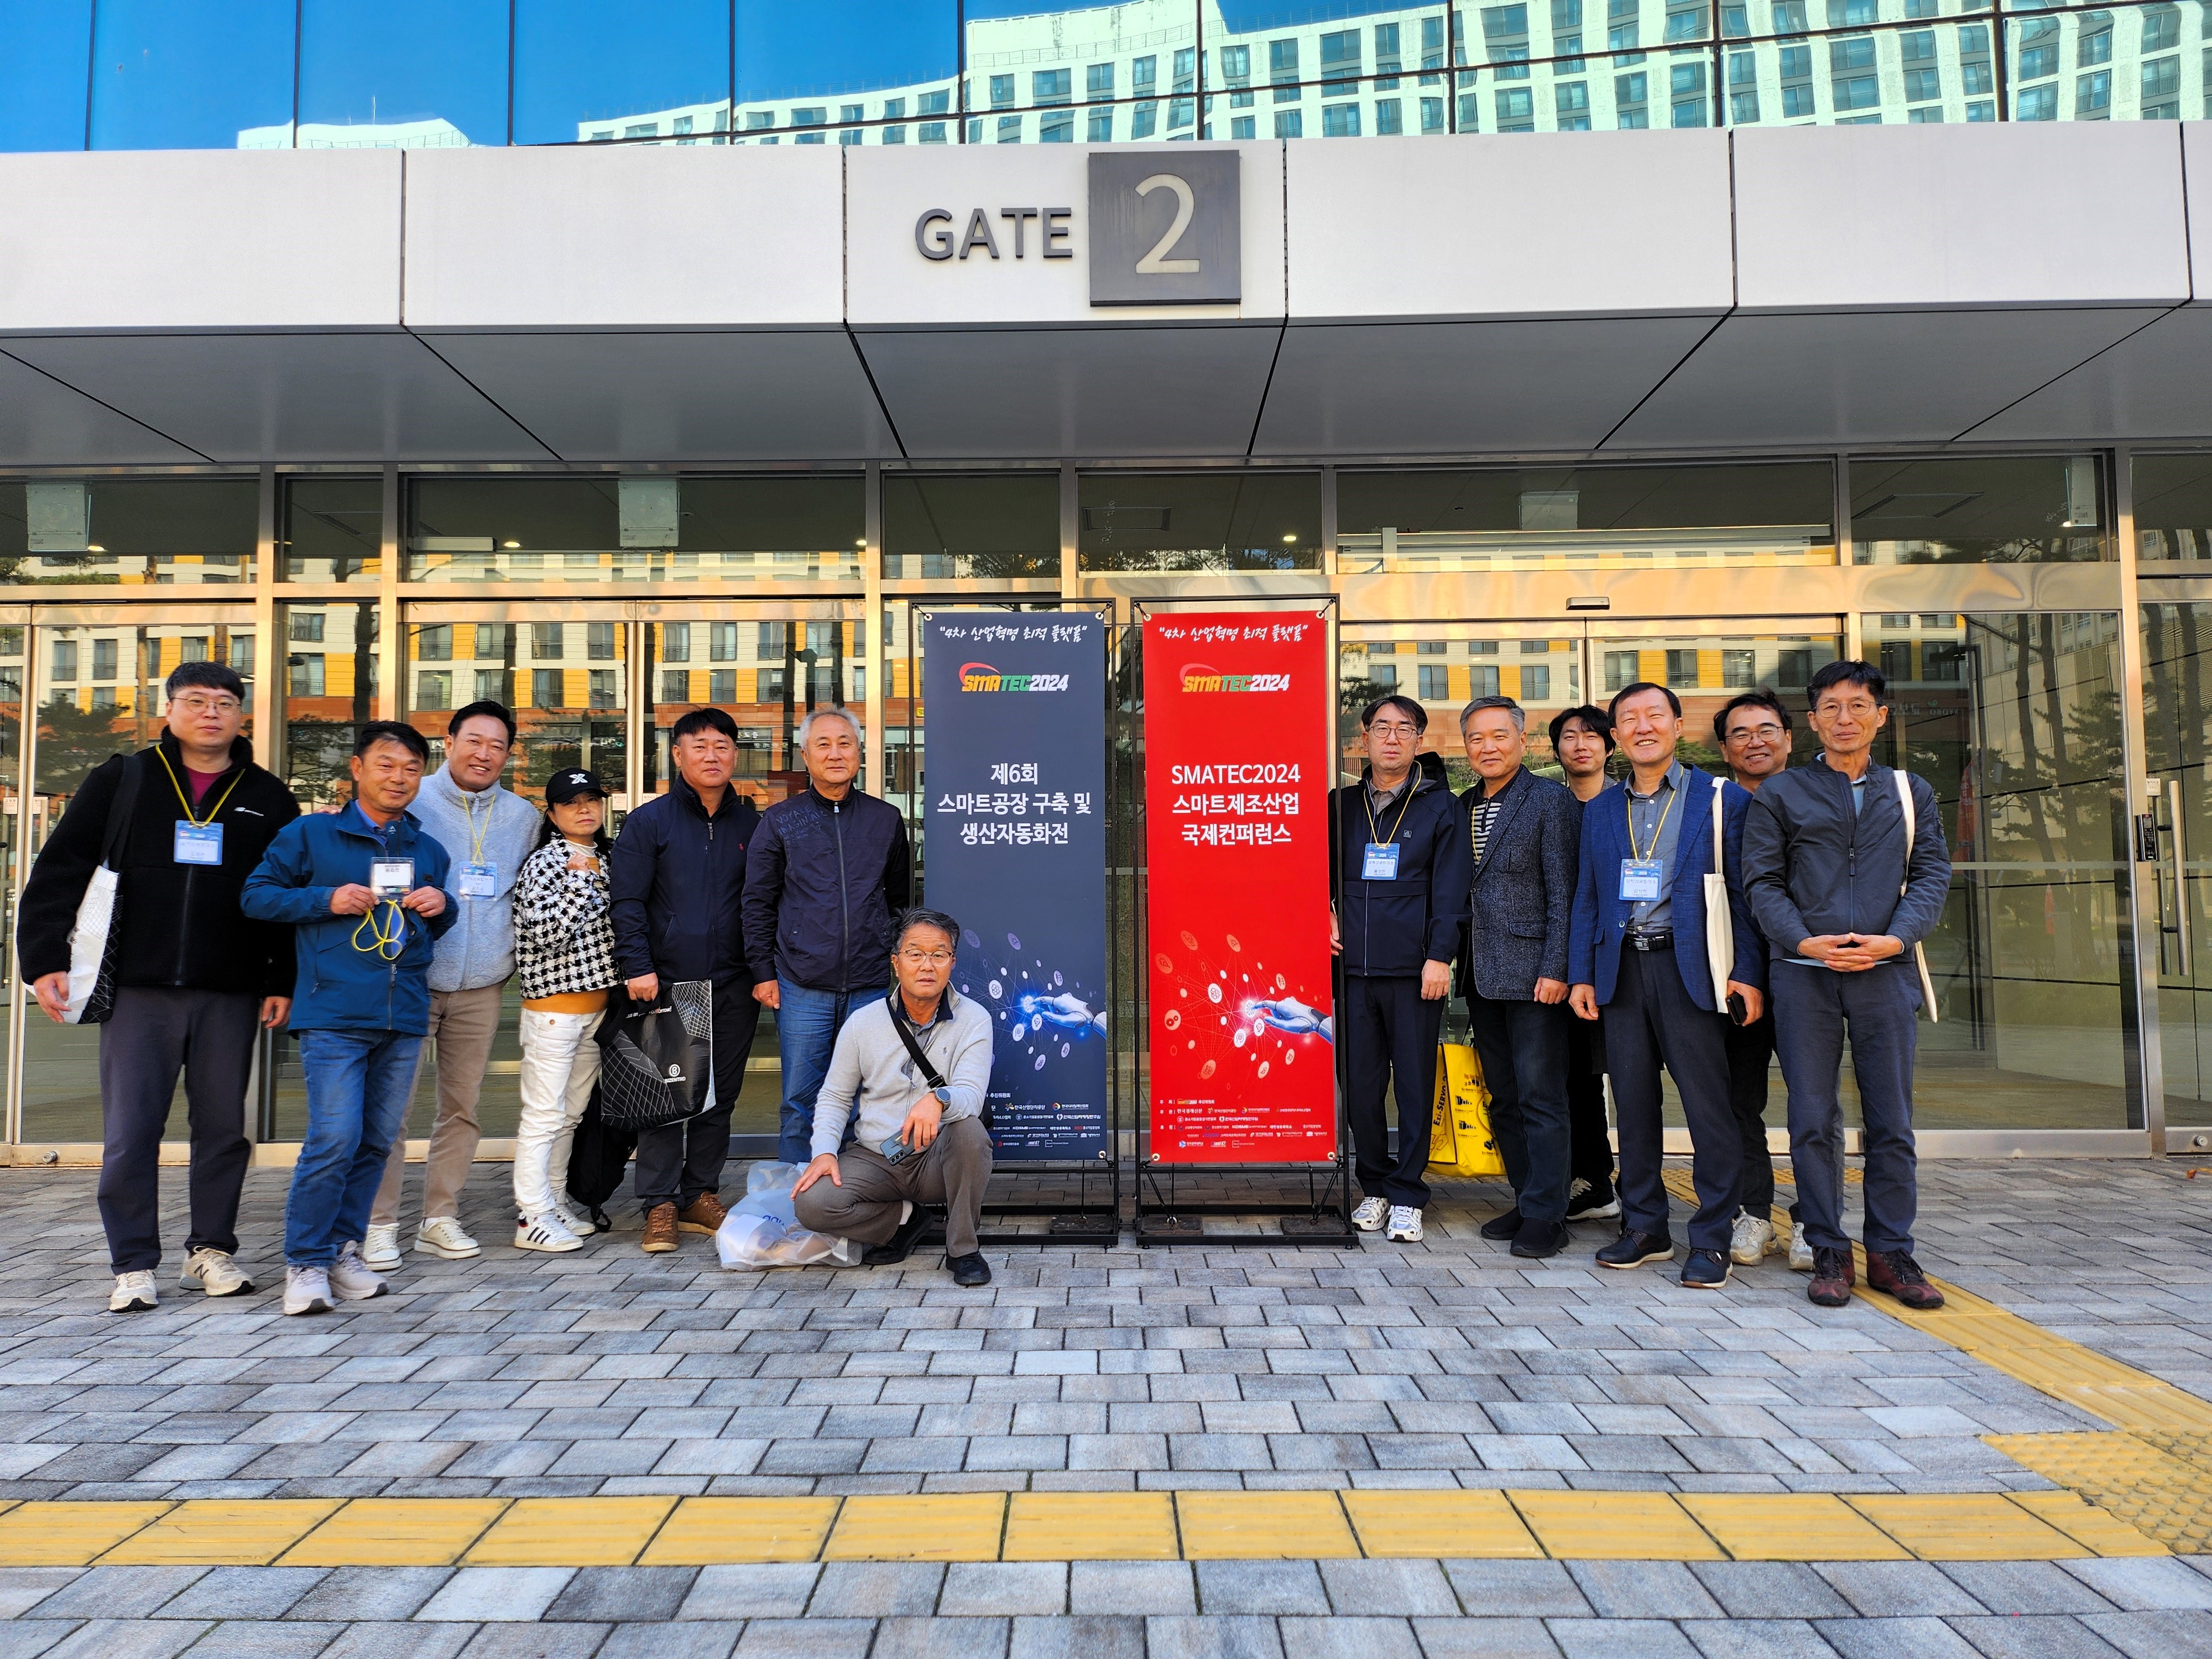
x: 1094, y: 1216
x: 1166, y: 1209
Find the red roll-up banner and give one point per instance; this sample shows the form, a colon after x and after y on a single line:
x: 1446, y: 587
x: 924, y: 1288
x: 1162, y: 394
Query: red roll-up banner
x: 1237, y: 781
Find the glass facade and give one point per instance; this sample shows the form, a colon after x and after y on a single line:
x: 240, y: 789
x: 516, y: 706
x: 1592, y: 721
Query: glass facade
x: 273, y: 74
x: 603, y: 605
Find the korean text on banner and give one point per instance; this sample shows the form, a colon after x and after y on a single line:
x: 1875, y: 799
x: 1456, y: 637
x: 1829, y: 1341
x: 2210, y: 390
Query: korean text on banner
x: 1236, y: 779
x: 1014, y: 850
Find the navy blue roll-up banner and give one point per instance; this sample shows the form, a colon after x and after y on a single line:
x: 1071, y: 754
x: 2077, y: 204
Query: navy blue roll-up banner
x: 1014, y: 849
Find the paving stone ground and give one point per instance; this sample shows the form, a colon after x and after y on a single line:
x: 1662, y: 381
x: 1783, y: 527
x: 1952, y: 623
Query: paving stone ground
x: 1447, y: 1364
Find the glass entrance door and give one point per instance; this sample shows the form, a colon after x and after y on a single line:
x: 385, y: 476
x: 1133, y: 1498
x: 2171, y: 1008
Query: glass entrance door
x: 2177, y: 733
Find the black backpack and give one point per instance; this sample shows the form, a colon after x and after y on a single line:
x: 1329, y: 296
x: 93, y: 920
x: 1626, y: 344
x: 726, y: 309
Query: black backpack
x: 598, y: 1159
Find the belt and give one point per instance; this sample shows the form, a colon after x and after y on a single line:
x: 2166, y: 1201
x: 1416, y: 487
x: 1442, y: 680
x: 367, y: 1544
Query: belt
x: 1648, y: 941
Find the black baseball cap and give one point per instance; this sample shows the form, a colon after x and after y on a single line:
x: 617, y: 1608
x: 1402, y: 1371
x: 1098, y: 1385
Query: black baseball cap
x: 565, y: 787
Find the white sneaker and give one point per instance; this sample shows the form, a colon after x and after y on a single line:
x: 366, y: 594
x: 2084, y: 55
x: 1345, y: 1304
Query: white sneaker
x: 134, y: 1293
x: 1586, y: 1203
x: 1752, y: 1241
x: 442, y: 1235
x: 380, y: 1250
x: 350, y: 1278
x: 1368, y: 1218
x: 214, y: 1272
x: 1801, y: 1253
x: 307, y: 1291
x: 1405, y: 1225
x: 574, y: 1215
x: 548, y: 1233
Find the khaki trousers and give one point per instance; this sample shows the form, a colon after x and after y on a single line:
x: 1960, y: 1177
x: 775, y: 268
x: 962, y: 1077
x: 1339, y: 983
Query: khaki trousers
x: 463, y: 1024
x: 952, y: 1172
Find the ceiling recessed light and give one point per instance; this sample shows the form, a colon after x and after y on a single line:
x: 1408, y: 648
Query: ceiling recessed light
x: 1287, y: 540
x: 510, y: 545
x: 94, y: 547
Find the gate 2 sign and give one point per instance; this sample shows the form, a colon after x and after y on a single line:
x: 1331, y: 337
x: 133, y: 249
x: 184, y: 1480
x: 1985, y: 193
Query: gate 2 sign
x: 1166, y: 227
x: 1236, y: 776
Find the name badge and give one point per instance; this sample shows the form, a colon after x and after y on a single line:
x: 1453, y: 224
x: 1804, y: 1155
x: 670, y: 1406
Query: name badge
x: 479, y: 881
x: 198, y: 843
x: 392, y: 878
x: 1380, y: 863
x: 1640, y: 878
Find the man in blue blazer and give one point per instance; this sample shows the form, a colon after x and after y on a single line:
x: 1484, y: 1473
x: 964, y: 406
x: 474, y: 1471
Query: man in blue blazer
x: 1639, y: 952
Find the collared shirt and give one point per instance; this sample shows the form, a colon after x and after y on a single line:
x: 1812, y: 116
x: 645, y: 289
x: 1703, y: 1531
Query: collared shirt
x: 1654, y: 823
x: 1378, y: 798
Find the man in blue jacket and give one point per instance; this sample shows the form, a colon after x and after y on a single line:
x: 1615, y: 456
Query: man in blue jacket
x: 1844, y: 894
x: 364, y: 889
x: 674, y: 880
x: 1401, y: 867
x: 1639, y: 954
x: 829, y: 870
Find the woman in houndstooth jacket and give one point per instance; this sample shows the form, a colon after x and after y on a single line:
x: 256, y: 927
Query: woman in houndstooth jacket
x: 564, y: 948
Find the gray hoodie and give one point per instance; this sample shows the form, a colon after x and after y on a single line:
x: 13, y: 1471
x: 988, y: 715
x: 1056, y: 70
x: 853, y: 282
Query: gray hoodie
x: 478, y: 949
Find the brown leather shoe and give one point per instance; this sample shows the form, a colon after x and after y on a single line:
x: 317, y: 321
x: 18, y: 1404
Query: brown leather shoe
x: 1834, y: 1275
x: 1894, y: 1272
x: 659, y: 1229
x: 703, y: 1214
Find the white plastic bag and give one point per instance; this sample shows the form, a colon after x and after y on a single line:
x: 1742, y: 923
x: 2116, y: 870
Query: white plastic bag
x: 763, y: 1231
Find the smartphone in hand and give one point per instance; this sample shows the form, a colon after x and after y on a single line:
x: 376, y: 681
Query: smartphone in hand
x: 1737, y: 1010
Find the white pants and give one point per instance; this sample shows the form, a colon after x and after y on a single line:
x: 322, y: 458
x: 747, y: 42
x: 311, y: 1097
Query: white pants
x: 560, y: 1063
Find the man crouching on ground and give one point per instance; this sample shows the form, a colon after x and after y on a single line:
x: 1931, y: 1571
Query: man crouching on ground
x: 915, y: 1066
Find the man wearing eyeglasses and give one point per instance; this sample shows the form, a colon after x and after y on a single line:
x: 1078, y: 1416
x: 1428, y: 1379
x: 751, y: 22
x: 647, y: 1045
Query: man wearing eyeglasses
x: 915, y: 1066
x: 1754, y: 731
x: 193, y: 975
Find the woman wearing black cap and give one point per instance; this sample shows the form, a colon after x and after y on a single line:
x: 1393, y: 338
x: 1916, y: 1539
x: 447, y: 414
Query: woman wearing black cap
x: 564, y: 946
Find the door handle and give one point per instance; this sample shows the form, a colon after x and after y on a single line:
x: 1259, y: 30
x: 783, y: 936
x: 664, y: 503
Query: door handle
x: 2179, y: 853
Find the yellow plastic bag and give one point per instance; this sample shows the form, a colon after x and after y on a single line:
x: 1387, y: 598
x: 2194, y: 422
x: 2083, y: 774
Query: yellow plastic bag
x: 1461, y: 1144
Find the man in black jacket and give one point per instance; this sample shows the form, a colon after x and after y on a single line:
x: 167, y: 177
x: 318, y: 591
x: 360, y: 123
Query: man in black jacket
x: 193, y: 975
x: 1401, y: 867
x: 1844, y: 894
x: 1520, y: 829
x: 675, y: 877
x: 830, y: 870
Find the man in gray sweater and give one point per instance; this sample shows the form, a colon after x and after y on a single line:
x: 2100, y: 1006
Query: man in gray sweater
x: 915, y: 1065
x: 487, y: 831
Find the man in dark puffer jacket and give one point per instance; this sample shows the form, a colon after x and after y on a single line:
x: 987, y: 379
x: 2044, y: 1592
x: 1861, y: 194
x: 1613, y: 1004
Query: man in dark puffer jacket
x: 193, y: 973
x: 827, y: 873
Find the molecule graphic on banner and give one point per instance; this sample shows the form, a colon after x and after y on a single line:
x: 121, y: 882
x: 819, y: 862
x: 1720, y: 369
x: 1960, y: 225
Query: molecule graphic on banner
x: 1234, y: 1014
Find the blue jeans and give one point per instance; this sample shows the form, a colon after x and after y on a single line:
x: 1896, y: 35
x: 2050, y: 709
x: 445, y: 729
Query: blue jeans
x: 358, y: 1083
x: 807, y: 1021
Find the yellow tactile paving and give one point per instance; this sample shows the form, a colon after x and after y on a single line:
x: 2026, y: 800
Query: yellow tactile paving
x: 1618, y: 1526
x: 704, y: 1531
x: 1790, y: 1527
x: 1967, y: 1527
x: 2087, y: 1525
x: 951, y: 1526
x: 1088, y: 1526
x: 2150, y: 1482
x: 1440, y: 1523
x: 249, y: 1531
x: 571, y: 1532
x: 397, y: 1532
x: 40, y: 1535
x: 1273, y: 1525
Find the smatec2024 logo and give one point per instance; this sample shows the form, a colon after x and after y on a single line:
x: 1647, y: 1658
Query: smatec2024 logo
x: 981, y: 677
x: 1203, y: 677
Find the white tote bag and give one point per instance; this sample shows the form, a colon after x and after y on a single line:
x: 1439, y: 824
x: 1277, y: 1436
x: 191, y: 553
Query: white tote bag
x: 93, y: 940
x: 1919, y: 952
x: 1720, y: 924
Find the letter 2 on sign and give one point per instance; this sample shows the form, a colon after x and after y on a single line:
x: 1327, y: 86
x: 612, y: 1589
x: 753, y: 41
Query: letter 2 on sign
x: 1162, y: 237
x: 1152, y: 264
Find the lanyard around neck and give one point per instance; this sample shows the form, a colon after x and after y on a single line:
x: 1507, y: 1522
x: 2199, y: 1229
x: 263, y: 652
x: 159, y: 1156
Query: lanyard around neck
x: 197, y: 823
x: 1368, y: 801
x: 1656, y: 829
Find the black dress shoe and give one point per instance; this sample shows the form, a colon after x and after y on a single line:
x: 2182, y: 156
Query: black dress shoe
x: 1538, y: 1239
x: 1705, y: 1270
x: 1503, y: 1227
x: 900, y: 1244
x: 970, y: 1269
x: 1633, y: 1249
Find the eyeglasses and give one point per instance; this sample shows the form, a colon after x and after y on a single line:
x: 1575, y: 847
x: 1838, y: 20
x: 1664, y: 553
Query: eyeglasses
x: 1768, y: 730
x: 207, y: 705
x: 934, y: 958
x: 1394, y: 729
